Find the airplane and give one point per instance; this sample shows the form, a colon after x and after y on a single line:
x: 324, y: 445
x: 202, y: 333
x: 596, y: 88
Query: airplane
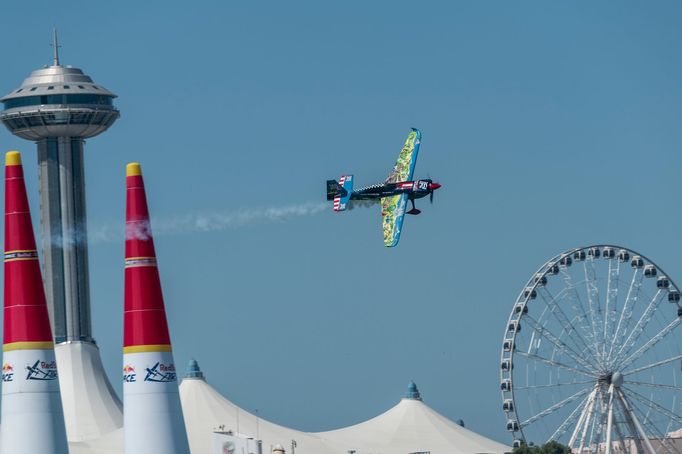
x: 393, y: 193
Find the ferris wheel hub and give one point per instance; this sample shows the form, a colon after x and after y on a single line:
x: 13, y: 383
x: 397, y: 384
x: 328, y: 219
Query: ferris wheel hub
x: 617, y: 379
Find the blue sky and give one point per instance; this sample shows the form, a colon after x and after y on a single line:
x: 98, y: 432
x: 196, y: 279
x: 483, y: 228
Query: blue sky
x: 550, y: 125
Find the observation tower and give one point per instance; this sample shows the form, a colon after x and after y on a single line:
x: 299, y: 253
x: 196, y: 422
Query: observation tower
x: 58, y: 107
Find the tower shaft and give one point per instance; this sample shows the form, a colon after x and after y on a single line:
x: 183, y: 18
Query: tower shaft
x: 64, y: 233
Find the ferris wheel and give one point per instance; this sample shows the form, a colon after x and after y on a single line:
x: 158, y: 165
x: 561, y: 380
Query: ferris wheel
x: 592, y: 355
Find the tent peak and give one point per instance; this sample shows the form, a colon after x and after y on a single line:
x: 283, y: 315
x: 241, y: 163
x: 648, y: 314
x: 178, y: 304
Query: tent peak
x: 193, y: 370
x: 413, y: 392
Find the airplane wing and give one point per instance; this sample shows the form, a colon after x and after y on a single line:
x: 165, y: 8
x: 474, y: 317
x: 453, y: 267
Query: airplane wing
x: 392, y: 214
x: 404, y: 166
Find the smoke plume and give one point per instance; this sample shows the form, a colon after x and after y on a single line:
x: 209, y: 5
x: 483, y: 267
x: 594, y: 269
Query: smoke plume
x: 203, y: 222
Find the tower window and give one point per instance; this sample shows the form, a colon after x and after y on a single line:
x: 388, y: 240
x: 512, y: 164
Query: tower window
x: 59, y: 99
x: 34, y: 88
x: 51, y: 87
x: 67, y: 86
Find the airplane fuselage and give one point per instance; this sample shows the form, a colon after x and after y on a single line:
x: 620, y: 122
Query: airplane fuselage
x: 415, y: 190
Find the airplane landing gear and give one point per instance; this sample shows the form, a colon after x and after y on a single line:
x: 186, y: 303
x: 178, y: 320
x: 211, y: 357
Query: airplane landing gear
x: 414, y: 210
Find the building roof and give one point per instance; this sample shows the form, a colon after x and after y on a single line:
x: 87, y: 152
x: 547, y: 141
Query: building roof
x: 57, y: 80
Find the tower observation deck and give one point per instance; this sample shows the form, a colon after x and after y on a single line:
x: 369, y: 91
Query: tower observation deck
x: 58, y: 107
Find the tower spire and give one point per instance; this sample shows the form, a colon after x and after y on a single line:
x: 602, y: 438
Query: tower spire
x: 56, y: 46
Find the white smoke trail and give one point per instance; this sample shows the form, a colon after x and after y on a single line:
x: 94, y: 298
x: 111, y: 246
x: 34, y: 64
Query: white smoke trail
x: 203, y: 222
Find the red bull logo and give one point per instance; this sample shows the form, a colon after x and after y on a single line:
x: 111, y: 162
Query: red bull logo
x: 7, y: 372
x: 129, y: 374
x: 161, y: 373
x: 42, y: 371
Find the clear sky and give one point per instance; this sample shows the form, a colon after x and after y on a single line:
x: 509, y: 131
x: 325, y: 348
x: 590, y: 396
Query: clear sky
x: 550, y: 125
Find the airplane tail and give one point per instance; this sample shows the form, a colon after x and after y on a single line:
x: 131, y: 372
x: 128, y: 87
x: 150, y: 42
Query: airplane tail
x: 334, y: 189
x: 340, y: 191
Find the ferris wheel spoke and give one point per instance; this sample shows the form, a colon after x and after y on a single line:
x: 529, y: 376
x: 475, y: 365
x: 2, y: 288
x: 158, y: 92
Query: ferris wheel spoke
x: 650, y: 343
x: 554, y: 385
x: 556, y: 363
x: 611, y: 300
x: 559, y: 344
x: 639, y: 327
x: 555, y: 407
x: 593, y: 302
x: 626, y: 314
x: 583, y: 317
x: 655, y: 385
x: 652, y: 365
x: 653, y: 405
x: 564, y: 321
x: 563, y: 427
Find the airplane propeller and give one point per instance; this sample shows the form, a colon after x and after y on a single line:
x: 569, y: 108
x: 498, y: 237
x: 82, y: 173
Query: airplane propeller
x: 432, y: 186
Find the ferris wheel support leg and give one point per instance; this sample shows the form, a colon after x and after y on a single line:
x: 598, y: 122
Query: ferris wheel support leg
x: 621, y: 439
x: 581, y: 420
x: 638, y: 426
x: 633, y: 430
x: 609, y: 422
x: 588, y: 419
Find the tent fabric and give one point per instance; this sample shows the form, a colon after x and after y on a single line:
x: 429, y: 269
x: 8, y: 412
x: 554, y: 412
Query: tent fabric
x: 410, y: 426
x: 205, y: 411
x: 94, y: 420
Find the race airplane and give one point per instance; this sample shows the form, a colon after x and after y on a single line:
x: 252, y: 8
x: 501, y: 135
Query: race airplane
x: 393, y: 194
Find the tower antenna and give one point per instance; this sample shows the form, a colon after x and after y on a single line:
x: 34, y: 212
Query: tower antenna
x: 56, y: 46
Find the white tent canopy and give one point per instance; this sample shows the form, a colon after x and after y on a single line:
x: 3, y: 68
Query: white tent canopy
x: 410, y: 426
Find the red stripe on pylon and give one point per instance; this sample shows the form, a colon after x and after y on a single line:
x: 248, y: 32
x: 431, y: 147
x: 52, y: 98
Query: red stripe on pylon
x: 25, y: 311
x: 144, y: 318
